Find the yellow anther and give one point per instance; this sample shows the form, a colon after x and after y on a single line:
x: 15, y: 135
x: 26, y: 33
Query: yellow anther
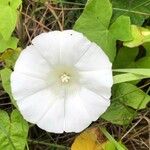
x: 65, y: 78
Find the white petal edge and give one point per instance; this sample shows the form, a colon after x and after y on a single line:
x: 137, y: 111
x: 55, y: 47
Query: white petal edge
x: 79, y: 110
x: 61, y: 47
x: 53, y: 120
x: 76, y: 116
x: 94, y: 59
x: 97, y: 81
x: 23, y: 85
x: 94, y: 103
x: 73, y: 46
x: 48, y: 45
x: 34, y: 107
x: 31, y: 62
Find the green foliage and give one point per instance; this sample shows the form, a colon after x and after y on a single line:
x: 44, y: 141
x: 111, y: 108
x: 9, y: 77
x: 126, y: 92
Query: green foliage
x: 5, y: 77
x: 120, y: 29
x: 9, y: 57
x: 141, y: 63
x: 144, y: 72
x: 7, y: 25
x: 125, y: 57
x: 95, y: 24
x: 110, y: 146
x: 124, y: 95
x: 140, y: 35
x: 8, y: 20
x: 132, y: 96
x: 138, y: 10
x: 126, y: 77
x: 118, y: 113
x: 147, y: 47
x: 131, y: 74
x: 15, y: 3
x: 112, y: 142
x: 10, y: 43
x: 13, y: 131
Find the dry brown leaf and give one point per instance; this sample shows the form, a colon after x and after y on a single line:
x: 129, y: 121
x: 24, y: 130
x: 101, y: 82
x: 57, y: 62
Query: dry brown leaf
x: 90, y: 139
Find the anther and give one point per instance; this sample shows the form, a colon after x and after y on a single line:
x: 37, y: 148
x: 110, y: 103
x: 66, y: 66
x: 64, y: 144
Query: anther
x: 65, y: 78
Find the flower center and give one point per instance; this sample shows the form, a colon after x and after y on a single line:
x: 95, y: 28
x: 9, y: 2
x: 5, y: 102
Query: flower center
x: 65, y: 78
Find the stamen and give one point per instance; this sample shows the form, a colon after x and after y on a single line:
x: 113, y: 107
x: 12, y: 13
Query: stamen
x: 65, y: 78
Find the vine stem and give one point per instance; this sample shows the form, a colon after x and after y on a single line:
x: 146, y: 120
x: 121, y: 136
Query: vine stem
x: 48, y: 144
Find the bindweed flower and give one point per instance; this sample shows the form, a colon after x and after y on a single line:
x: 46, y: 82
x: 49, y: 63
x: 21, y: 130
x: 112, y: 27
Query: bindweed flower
x: 62, y: 82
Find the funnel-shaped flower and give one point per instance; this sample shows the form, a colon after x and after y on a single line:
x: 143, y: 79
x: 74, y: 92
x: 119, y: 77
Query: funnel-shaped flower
x: 62, y: 82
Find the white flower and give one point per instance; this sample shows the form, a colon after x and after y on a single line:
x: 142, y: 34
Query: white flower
x: 62, y: 82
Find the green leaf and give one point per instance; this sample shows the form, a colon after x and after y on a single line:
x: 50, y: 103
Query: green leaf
x: 10, y: 43
x: 5, y: 77
x: 120, y: 28
x: 4, y: 122
x: 118, y: 145
x: 95, y: 24
x: 123, y: 96
x: 144, y: 72
x: 9, y: 57
x: 110, y: 146
x: 15, y: 3
x: 13, y: 131
x: 126, y: 77
x: 140, y: 35
x: 131, y: 95
x: 12, y: 3
x: 138, y: 10
x: 134, y: 75
x: 147, y: 47
x: 141, y: 63
x: 125, y: 57
x: 118, y: 113
x: 137, y: 38
x: 4, y: 2
x: 8, y: 19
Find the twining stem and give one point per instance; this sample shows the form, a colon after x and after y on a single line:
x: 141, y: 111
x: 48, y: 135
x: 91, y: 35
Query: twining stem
x: 111, y: 139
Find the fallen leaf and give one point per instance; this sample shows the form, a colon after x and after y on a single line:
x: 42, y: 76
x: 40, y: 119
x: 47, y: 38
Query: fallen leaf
x: 92, y: 139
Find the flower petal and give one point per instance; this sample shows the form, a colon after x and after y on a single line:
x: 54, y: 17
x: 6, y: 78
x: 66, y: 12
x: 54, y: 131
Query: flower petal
x: 31, y: 62
x: 94, y: 104
x: 48, y: 45
x: 34, y: 107
x: 23, y: 85
x: 82, y: 108
x: 94, y: 59
x: 98, y: 81
x: 64, y: 47
x: 76, y: 116
x: 73, y: 46
x: 53, y: 120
